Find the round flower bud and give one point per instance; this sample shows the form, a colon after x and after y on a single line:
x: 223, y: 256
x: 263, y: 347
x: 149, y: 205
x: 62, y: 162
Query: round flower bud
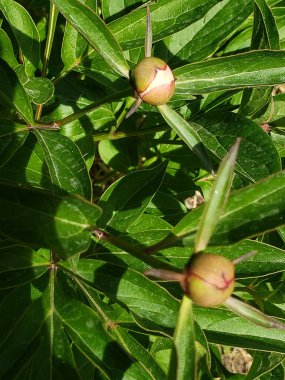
x: 153, y: 81
x: 209, y: 279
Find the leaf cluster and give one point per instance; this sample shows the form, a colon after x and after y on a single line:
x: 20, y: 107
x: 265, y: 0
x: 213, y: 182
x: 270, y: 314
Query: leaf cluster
x: 91, y: 200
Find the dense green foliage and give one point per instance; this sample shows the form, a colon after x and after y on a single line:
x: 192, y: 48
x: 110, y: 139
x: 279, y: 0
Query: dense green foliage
x: 90, y: 199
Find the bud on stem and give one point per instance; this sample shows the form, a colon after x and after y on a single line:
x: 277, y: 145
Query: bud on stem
x: 209, y: 280
x: 153, y: 81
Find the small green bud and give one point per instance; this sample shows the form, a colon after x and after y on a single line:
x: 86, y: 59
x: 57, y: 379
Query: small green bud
x: 209, y: 279
x: 153, y: 81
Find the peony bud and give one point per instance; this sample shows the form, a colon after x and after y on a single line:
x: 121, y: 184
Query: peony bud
x: 153, y: 81
x: 209, y: 279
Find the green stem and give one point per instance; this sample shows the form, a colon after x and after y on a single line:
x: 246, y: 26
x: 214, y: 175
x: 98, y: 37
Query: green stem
x: 129, y: 101
x: 91, y: 107
x: 122, y: 135
x: 167, y: 242
x: 183, y: 359
x: 51, y: 29
x: 132, y: 249
x: 148, y: 37
x: 48, y: 127
x: 53, y: 13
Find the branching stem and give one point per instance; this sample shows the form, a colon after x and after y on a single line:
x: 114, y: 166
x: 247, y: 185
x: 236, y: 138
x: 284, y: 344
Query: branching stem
x: 132, y: 249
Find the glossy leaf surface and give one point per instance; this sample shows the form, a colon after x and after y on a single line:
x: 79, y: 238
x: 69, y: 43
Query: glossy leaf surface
x: 86, y: 21
x: 231, y: 72
x: 141, y: 295
x: 125, y: 201
x: 256, y: 200
x: 168, y: 17
x: 67, y: 171
x: 60, y: 223
x: 25, y: 32
x: 12, y: 137
x: 13, y: 93
x: 222, y: 325
x: 218, y: 198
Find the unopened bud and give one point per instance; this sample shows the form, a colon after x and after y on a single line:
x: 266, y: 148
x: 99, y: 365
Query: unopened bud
x: 209, y: 279
x: 153, y: 81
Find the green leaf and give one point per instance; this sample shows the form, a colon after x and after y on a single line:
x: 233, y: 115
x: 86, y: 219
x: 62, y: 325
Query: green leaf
x: 20, y: 265
x: 144, y: 359
x: 94, y: 30
x: 12, y: 137
x: 87, y: 332
x: 73, y: 47
x: 140, y: 295
x: 256, y: 68
x: 202, y: 39
x: 73, y: 44
x: 255, y: 102
x: 258, y: 156
x: 40, y: 90
x: 254, y: 315
x: 268, y: 260
x: 186, y: 132
x: 183, y: 355
x: 6, y: 50
x: 27, y: 166
x: 77, y: 95
x: 277, y: 373
x: 126, y: 199
x: 147, y: 230
x: 167, y: 206
x: 35, y: 338
x: 270, y: 27
x: 265, y: 35
x: 56, y: 357
x: 110, y: 8
x: 243, y: 213
x: 96, y: 68
x: 20, y: 337
x: 13, y: 93
x: 121, y: 155
x: 66, y: 166
x: 167, y: 17
x: 44, y: 220
x: 218, y: 198
x: 263, y: 362
x: 223, y: 327
x: 54, y: 354
x: 25, y: 32
x: 80, y: 134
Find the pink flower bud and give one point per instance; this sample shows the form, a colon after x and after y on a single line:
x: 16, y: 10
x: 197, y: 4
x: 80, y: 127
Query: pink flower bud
x: 209, y: 279
x: 153, y: 81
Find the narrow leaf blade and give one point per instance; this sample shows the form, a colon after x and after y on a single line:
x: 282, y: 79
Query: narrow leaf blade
x: 183, y: 355
x: 25, y: 32
x: 218, y: 198
x: 12, y: 137
x: 185, y: 132
x: 94, y: 30
x: 252, y: 314
x: 223, y: 327
x: 256, y: 68
x: 242, y: 215
x: 12, y: 92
